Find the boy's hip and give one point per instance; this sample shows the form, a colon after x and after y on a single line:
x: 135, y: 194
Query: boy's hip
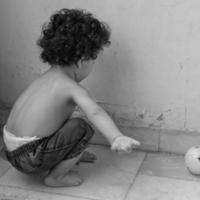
x: 45, y: 153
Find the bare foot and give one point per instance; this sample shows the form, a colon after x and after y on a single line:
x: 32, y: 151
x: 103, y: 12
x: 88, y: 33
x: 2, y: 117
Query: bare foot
x: 88, y: 157
x: 70, y: 179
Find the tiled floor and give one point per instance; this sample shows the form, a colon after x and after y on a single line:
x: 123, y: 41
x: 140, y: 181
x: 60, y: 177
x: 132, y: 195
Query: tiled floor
x: 138, y: 176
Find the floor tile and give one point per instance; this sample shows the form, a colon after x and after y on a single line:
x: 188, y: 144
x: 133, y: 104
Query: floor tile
x: 10, y: 193
x: 4, y: 166
x: 108, y: 178
x: 160, y: 188
x: 166, y: 165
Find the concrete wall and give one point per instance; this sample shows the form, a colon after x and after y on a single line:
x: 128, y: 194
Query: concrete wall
x: 149, y: 76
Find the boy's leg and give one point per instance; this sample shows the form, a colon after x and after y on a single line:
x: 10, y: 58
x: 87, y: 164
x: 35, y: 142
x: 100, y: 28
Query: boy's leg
x: 62, y: 176
x: 76, y: 132
x: 88, y: 157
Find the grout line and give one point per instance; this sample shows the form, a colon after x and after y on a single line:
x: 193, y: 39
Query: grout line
x: 65, y: 195
x: 5, y: 172
x: 134, y: 179
x: 172, y: 178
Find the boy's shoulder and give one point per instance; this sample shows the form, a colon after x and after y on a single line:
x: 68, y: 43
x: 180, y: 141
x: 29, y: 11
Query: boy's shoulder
x: 78, y: 94
x: 70, y: 87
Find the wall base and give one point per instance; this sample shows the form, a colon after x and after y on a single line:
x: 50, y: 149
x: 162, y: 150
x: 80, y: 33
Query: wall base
x: 155, y: 140
x: 152, y: 139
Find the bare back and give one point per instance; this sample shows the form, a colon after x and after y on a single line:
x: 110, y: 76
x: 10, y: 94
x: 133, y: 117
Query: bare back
x: 42, y: 108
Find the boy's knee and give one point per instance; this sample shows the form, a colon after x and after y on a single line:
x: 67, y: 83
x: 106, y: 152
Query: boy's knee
x: 78, y: 125
x: 81, y: 123
x: 77, y: 121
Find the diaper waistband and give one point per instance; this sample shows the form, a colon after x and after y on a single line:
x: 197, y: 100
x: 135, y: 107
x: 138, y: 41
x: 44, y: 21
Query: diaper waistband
x: 12, y: 142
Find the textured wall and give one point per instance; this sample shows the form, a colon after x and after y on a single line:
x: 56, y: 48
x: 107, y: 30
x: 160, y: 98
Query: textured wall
x: 149, y: 76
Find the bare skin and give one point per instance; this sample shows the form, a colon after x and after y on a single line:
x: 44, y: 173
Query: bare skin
x: 41, y: 104
x: 43, y: 107
x: 62, y: 175
x: 88, y: 157
x: 37, y: 107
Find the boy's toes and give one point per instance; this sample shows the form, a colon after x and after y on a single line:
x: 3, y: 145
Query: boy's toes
x: 73, y: 178
x: 68, y: 180
x: 88, y: 157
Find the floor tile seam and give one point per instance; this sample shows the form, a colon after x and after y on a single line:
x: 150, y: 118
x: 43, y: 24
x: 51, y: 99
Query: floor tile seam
x: 159, y: 140
x: 134, y: 179
x: 159, y: 151
x: 55, y: 193
x: 118, y: 169
x: 165, y: 153
x: 171, y: 178
x: 6, y: 171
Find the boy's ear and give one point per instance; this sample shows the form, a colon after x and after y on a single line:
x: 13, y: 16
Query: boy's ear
x: 78, y: 64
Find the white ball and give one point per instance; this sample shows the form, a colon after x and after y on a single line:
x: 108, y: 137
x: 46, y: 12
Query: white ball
x: 192, y: 160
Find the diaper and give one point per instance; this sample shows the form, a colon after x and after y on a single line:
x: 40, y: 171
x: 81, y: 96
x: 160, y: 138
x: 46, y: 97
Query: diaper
x: 12, y: 142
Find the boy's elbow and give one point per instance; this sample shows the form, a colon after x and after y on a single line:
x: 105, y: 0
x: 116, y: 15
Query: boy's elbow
x: 96, y: 112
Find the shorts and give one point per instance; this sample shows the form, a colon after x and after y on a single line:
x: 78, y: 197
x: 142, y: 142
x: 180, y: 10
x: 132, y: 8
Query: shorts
x: 44, y: 154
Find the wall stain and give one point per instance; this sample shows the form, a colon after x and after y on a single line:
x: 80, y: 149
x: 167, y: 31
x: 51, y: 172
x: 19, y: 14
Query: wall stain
x: 160, y: 117
x: 153, y: 125
x: 169, y: 110
x: 180, y: 67
x: 141, y: 116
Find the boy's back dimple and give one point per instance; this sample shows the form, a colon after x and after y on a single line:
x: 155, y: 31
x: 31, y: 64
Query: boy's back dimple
x: 41, y: 109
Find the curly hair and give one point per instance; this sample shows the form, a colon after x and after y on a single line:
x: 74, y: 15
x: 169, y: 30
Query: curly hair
x: 72, y: 35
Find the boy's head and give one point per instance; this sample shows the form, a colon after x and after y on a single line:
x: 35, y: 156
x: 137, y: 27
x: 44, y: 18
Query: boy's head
x: 72, y: 35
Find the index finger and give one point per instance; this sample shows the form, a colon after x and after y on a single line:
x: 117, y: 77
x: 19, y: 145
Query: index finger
x: 135, y: 142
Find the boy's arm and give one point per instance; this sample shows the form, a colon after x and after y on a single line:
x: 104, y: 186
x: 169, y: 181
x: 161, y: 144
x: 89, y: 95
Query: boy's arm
x: 97, y: 116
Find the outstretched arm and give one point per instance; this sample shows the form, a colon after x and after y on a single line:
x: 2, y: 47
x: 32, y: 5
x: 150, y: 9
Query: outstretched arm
x: 102, y: 121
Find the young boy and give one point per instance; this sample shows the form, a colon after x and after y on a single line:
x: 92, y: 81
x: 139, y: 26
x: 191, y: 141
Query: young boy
x: 39, y: 134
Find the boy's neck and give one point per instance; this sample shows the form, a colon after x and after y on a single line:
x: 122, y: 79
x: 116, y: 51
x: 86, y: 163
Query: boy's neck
x: 68, y: 71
